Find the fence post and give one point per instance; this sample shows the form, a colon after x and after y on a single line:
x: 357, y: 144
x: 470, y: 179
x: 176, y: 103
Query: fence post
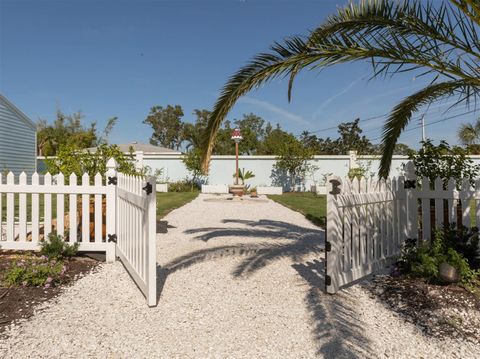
x: 111, y: 217
x: 333, y: 243
x: 411, y: 215
x: 152, y: 244
x: 352, y: 161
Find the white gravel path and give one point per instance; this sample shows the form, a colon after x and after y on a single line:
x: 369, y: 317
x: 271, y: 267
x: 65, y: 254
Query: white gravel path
x: 238, y: 280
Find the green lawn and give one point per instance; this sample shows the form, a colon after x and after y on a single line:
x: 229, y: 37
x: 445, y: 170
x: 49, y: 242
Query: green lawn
x: 313, y: 206
x: 168, y: 201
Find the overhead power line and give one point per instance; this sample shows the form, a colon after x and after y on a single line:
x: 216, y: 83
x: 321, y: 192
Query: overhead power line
x: 434, y: 122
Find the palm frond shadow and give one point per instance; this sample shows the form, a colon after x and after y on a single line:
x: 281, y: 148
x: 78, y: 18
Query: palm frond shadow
x: 301, y: 242
x: 336, y: 331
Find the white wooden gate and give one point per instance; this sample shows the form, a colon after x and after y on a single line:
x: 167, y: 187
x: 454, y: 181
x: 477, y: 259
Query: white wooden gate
x: 136, y: 231
x: 366, y: 227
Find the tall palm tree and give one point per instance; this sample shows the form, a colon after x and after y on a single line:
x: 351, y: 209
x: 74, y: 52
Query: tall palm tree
x: 440, y: 40
x: 469, y: 133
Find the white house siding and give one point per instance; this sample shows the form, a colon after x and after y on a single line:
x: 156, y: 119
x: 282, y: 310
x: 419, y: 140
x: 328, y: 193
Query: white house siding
x: 17, y: 140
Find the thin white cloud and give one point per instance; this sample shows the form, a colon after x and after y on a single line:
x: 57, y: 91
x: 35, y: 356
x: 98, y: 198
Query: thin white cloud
x: 325, y: 103
x: 274, y: 109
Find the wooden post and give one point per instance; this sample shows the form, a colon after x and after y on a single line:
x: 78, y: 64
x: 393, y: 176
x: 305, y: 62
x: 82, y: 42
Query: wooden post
x: 236, y: 162
x: 111, y: 182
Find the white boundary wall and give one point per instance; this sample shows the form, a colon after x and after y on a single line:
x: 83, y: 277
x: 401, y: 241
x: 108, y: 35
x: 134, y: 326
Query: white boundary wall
x: 222, y: 168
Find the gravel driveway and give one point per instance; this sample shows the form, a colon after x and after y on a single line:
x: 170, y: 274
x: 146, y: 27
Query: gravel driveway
x: 236, y: 279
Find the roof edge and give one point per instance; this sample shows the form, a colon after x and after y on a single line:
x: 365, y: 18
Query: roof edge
x: 15, y: 109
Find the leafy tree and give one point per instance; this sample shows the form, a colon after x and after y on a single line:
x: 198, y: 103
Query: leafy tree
x: 310, y: 141
x: 193, y: 132
x: 68, y: 130
x: 402, y: 149
x: 224, y: 144
x: 351, y: 138
x: 252, y: 128
x: 193, y: 162
x: 293, y: 159
x: 167, y: 126
x: 275, y: 141
x: 394, y: 37
x: 443, y: 161
x: 71, y: 160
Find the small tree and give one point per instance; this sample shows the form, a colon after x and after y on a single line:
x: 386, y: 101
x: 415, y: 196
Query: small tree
x: 293, y: 159
x: 443, y: 161
x: 71, y: 160
x: 192, y: 161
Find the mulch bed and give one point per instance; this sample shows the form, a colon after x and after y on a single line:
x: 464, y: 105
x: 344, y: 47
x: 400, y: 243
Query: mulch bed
x: 439, y: 311
x: 18, y: 302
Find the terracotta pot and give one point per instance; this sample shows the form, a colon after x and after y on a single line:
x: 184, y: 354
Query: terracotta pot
x: 253, y: 194
x: 237, y: 190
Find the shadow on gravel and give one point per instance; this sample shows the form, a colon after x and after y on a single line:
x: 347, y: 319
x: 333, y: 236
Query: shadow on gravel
x: 337, y: 333
x: 301, y: 242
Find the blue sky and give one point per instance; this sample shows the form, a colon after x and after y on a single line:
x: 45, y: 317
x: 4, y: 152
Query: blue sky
x: 120, y: 58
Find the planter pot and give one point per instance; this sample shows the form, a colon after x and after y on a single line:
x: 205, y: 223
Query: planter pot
x: 269, y: 190
x: 161, y: 187
x: 253, y: 194
x: 448, y: 273
x: 238, y: 190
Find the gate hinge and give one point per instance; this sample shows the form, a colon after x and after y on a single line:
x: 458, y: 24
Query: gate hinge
x: 328, y: 280
x: 410, y: 184
x: 328, y: 246
x: 112, y: 180
x: 148, y: 188
x: 112, y: 238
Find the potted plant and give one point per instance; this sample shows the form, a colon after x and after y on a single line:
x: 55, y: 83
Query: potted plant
x: 238, y: 189
x: 253, y: 192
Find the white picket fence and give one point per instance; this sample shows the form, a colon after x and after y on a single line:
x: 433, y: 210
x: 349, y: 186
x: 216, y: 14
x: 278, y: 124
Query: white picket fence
x: 116, y: 214
x: 24, y: 222
x: 368, y: 221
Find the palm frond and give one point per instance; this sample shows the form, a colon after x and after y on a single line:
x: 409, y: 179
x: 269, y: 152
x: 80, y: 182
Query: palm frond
x: 262, y: 68
x: 402, y: 114
x: 467, y: 134
x: 469, y: 7
x: 394, y: 36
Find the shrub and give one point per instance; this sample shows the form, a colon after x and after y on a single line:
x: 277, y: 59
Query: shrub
x: 56, y: 248
x: 465, y: 241
x: 34, y: 272
x: 183, y: 186
x: 359, y: 172
x: 443, y: 161
x: 423, y: 260
x: 70, y: 160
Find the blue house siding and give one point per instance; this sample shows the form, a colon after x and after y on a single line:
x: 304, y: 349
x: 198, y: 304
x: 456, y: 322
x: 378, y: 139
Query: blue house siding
x: 17, y: 140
